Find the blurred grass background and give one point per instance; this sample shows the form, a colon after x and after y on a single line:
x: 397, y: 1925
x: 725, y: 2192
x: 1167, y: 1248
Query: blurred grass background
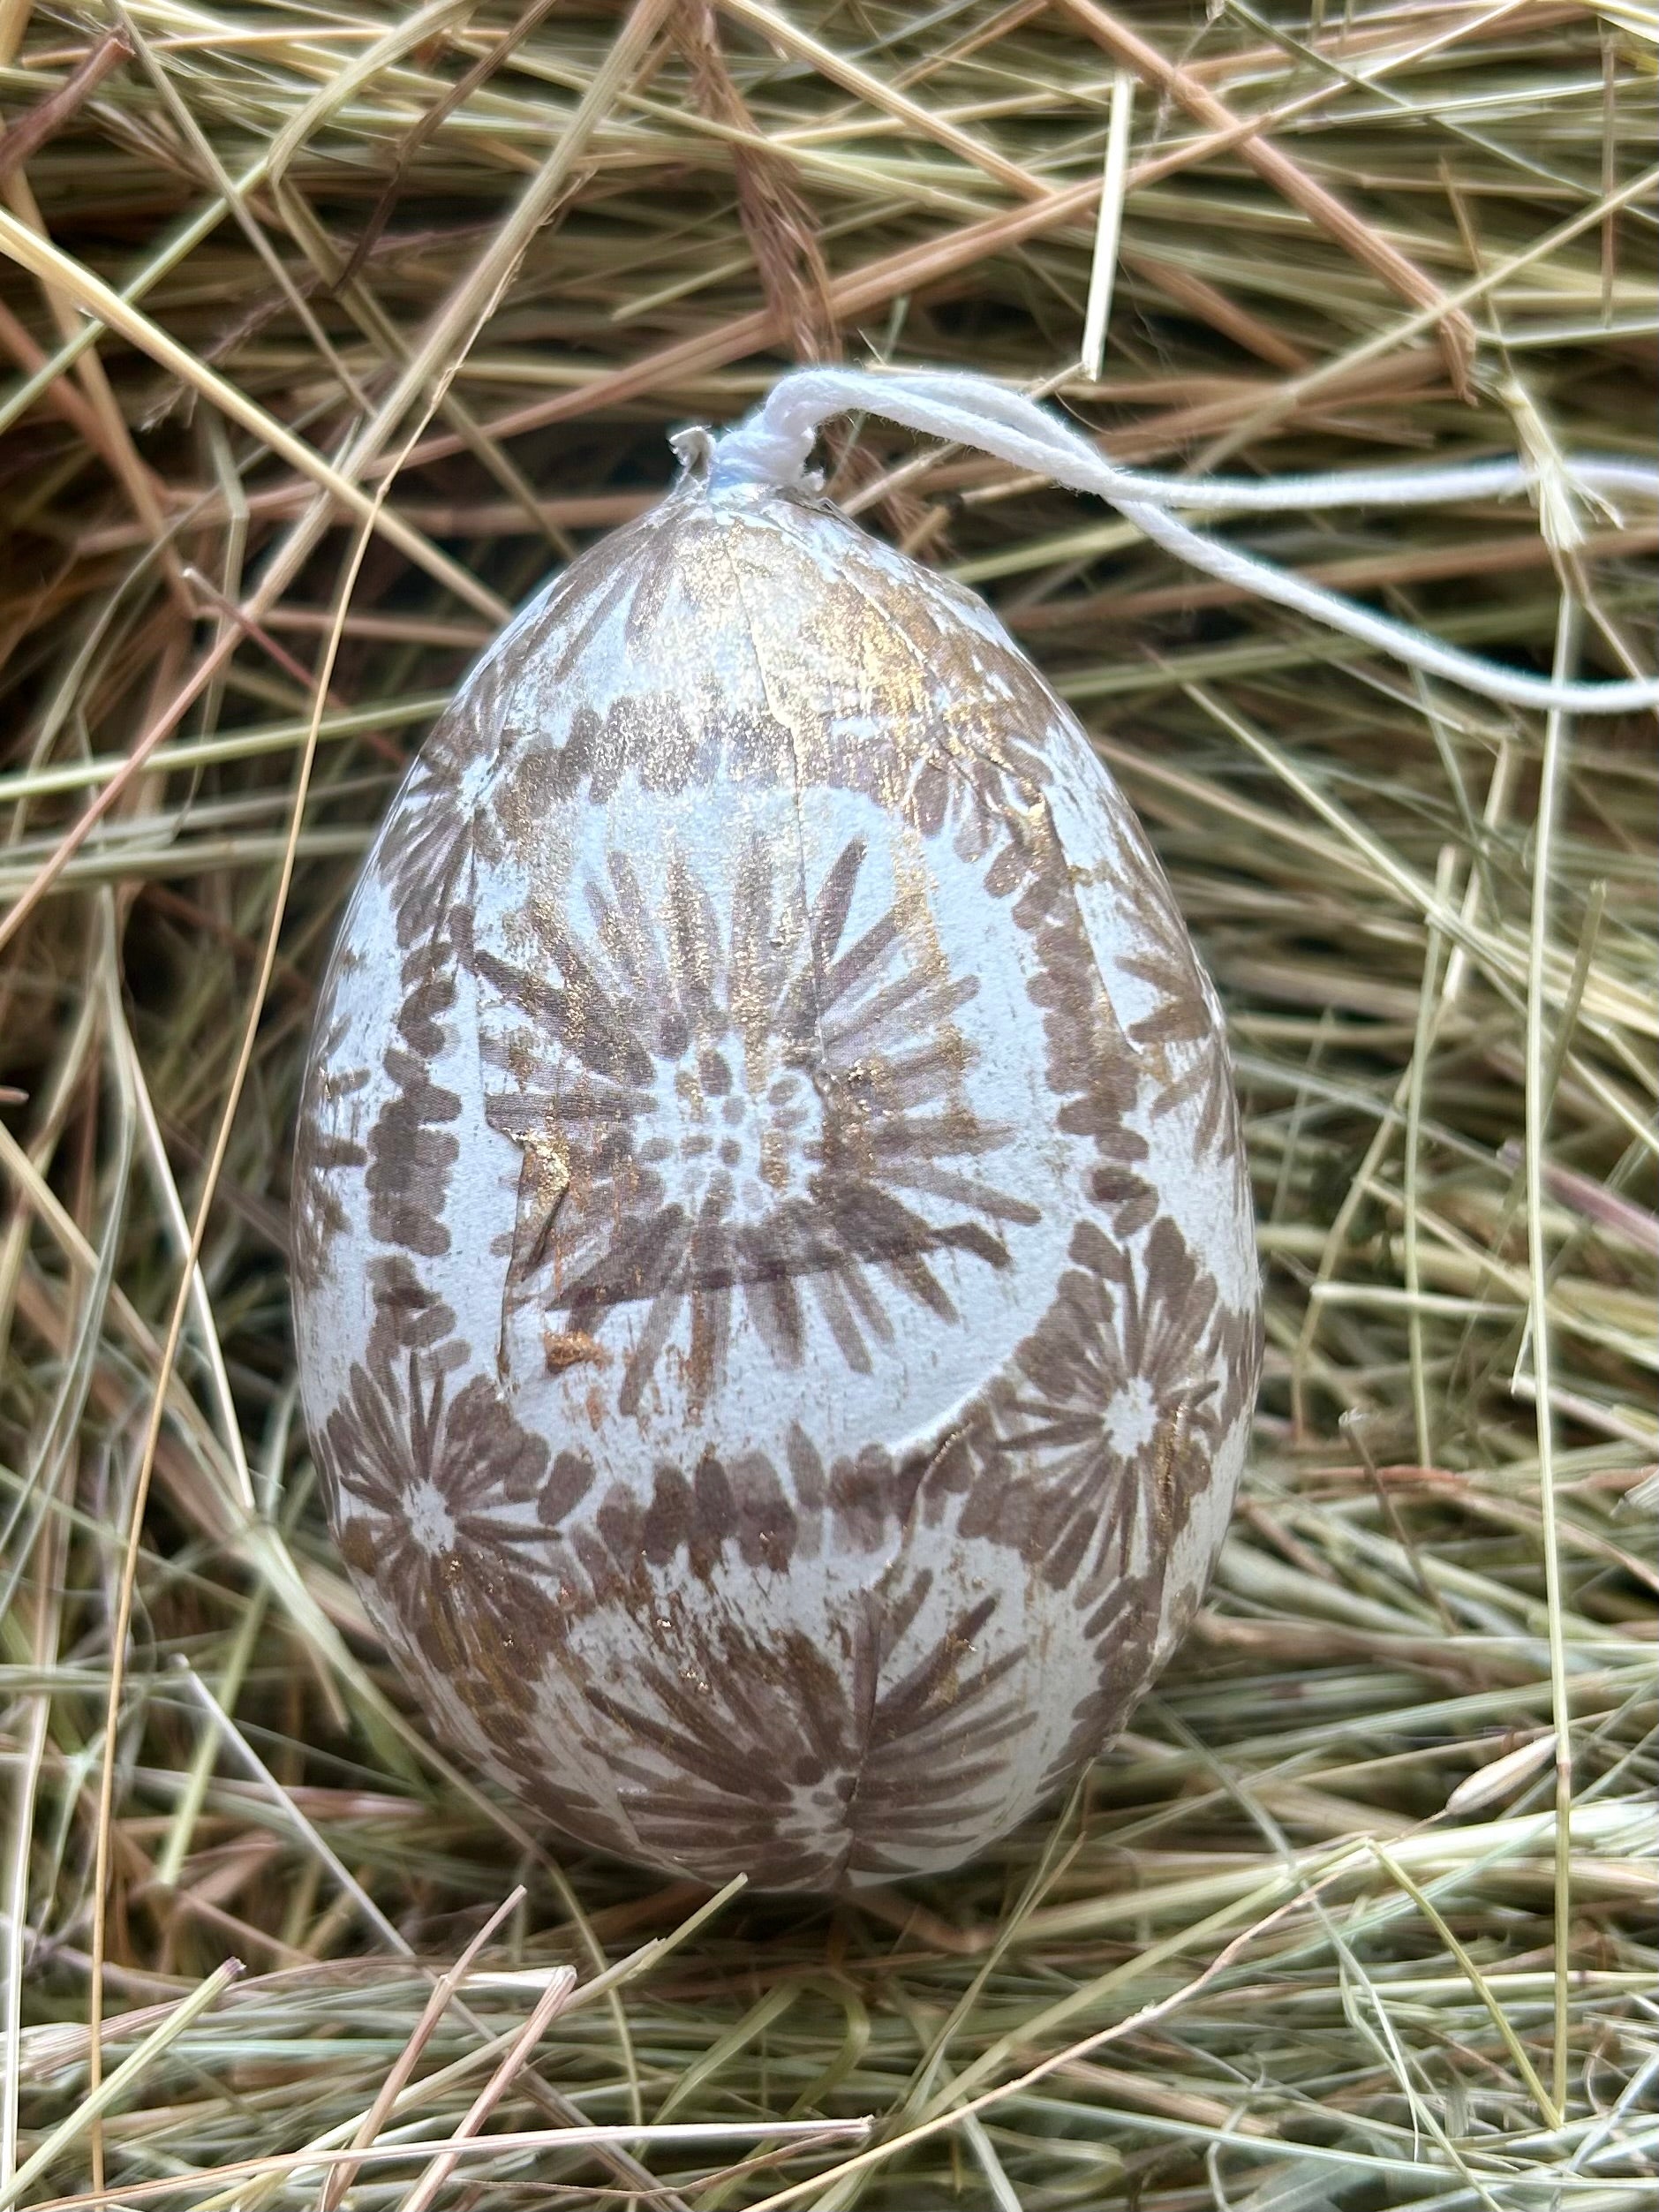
x: 331, y: 330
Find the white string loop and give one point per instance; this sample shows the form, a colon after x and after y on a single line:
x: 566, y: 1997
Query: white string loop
x: 772, y: 445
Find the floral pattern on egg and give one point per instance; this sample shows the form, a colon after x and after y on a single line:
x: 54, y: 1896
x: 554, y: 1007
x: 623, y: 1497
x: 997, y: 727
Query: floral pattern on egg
x: 774, y: 1275
x: 738, y: 1110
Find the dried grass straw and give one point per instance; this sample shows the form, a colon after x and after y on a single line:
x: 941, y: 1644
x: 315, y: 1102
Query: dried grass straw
x: 330, y: 332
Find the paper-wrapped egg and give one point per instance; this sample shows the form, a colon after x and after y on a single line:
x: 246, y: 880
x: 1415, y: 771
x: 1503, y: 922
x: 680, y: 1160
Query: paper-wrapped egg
x: 776, y: 1293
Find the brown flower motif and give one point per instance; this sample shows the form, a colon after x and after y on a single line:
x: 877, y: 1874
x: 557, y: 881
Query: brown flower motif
x: 1122, y: 1631
x: 315, y: 1214
x: 820, y: 613
x: 1186, y: 1026
x: 440, y: 825
x: 325, y: 1142
x: 425, y: 863
x: 1112, y: 1419
x: 741, y: 1105
x: 768, y: 1756
x: 449, y: 1509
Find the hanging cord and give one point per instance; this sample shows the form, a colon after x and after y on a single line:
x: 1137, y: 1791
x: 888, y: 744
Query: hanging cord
x: 773, y: 444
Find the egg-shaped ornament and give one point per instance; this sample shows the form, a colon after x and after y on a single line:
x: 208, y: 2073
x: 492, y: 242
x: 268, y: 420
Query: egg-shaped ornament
x: 777, y: 1312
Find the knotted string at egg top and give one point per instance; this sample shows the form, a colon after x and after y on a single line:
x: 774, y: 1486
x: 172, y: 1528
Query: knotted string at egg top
x: 774, y: 1276
x: 772, y: 445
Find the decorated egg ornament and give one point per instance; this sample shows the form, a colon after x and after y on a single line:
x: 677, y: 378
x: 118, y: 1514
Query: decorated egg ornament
x: 777, y: 1300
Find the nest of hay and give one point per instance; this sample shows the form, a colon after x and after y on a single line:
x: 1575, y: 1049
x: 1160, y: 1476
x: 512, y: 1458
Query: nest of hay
x: 328, y: 332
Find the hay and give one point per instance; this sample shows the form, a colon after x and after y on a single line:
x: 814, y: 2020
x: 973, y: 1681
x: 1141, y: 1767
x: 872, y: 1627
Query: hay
x: 1314, y: 1933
